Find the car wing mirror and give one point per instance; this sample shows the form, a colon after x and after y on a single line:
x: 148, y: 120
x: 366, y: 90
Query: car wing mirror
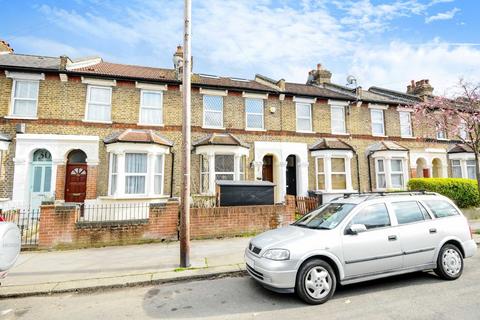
x: 357, y: 228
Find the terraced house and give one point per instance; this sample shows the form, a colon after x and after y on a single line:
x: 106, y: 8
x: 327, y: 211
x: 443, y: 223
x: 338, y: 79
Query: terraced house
x: 90, y: 130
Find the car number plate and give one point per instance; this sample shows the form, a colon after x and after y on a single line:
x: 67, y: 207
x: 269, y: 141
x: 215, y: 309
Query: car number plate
x: 250, y: 262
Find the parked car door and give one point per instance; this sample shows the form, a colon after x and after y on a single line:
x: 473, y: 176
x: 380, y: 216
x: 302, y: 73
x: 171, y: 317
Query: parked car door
x: 377, y: 250
x: 416, y: 231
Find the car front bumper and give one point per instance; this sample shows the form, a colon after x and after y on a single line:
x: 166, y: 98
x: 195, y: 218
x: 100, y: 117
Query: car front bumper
x: 278, y: 276
x: 470, y: 248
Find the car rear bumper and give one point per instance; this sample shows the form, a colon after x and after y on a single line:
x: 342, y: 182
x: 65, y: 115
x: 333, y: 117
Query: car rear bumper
x: 275, y: 275
x: 470, y: 248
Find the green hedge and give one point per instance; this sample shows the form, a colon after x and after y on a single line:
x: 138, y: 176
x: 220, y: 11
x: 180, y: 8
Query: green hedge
x: 463, y: 191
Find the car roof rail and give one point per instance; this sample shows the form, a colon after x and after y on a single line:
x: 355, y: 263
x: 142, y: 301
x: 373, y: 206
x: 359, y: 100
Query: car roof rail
x: 375, y: 194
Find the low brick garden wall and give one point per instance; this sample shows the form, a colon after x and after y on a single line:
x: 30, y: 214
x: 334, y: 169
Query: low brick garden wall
x: 62, y: 227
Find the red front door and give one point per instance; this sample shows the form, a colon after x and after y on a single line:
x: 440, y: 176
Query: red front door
x: 76, y: 183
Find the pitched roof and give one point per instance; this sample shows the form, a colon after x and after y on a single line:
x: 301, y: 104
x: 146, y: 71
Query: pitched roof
x: 316, y: 91
x: 137, y: 136
x: 330, y: 144
x: 28, y: 61
x: 219, y: 139
x: 460, y: 148
x: 128, y: 71
x: 200, y: 79
x: 4, y: 137
x: 385, y: 146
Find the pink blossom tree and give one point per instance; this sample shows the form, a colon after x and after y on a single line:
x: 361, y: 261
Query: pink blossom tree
x: 458, y: 117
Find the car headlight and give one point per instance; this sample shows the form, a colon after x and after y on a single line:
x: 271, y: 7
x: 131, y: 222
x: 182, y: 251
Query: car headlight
x: 277, y: 254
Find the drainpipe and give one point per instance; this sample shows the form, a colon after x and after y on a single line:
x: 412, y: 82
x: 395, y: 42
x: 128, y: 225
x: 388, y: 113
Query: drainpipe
x: 358, y: 171
x: 172, y: 173
x: 369, y: 171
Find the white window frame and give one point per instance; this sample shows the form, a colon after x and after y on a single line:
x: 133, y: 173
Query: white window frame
x: 459, y: 166
x: 462, y: 130
x: 405, y: 125
x: 297, y: 117
x: 387, y: 158
x: 440, y: 134
x: 13, y: 99
x: 215, y: 172
x: 142, y: 107
x: 87, y: 105
x: 474, y: 165
x: 262, y: 114
x: 382, y: 112
x: 145, y: 174
x: 214, y: 111
x: 157, y: 174
x: 343, y: 130
x: 112, y: 174
x: 204, y: 175
x: 327, y: 156
x: 339, y: 172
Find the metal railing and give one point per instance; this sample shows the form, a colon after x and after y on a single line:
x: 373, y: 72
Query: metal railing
x: 113, y: 212
x: 27, y: 221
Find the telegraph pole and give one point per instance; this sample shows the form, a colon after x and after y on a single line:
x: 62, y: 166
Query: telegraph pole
x: 186, y: 94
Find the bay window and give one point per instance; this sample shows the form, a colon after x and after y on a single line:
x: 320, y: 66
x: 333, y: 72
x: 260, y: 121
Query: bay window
x: 471, y: 169
x: 224, y: 167
x: 333, y: 170
x: 456, y: 169
x: 136, y: 170
x: 99, y: 104
x: 390, y: 172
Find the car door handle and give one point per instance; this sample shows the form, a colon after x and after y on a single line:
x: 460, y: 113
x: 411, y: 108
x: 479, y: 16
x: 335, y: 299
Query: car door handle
x: 392, y: 238
x: 433, y: 230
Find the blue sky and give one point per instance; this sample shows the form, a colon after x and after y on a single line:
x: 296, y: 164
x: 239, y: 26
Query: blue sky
x: 383, y: 43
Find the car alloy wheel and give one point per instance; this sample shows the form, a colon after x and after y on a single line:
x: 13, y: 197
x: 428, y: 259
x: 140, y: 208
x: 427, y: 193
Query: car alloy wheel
x: 318, y: 282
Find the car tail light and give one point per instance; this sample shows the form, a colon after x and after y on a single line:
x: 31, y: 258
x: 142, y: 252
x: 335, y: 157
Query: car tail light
x: 1, y: 218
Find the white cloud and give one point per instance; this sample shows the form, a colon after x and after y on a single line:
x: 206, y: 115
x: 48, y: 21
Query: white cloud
x: 447, y: 15
x: 278, y: 39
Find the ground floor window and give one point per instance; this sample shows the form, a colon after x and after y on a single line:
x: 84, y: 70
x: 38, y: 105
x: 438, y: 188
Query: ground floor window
x: 225, y: 167
x: 456, y: 169
x: 333, y: 172
x: 462, y: 168
x: 390, y: 173
x: 136, y: 174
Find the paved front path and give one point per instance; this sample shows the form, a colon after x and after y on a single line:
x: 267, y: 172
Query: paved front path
x: 46, y: 271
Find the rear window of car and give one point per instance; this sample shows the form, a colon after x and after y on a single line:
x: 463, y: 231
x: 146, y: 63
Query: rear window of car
x: 407, y: 212
x: 441, y: 208
x: 373, y: 216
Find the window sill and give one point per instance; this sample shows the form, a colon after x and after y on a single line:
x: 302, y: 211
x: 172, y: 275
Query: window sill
x: 215, y: 128
x: 97, y: 121
x: 20, y: 117
x: 379, y: 135
x: 305, y: 131
x: 341, y: 134
x: 253, y: 129
x: 407, y: 137
x: 151, y: 124
x: 134, y: 197
x: 442, y: 139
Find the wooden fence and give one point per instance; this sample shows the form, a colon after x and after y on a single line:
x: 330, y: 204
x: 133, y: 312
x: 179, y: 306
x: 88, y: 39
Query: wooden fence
x: 306, y: 204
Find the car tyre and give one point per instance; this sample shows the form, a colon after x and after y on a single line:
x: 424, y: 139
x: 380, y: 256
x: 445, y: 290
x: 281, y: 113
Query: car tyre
x: 449, y: 262
x: 316, y: 282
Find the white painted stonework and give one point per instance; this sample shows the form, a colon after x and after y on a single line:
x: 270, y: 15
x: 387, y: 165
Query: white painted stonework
x: 280, y: 151
x: 59, y: 147
x: 429, y: 154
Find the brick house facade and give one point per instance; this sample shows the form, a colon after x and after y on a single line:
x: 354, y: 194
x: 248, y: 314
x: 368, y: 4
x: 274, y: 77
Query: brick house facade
x: 90, y: 130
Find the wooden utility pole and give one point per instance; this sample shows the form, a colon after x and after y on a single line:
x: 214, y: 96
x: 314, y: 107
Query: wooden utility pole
x: 186, y: 93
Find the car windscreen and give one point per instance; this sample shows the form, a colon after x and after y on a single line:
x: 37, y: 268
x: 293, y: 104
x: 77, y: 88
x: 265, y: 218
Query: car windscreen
x: 327, y: 216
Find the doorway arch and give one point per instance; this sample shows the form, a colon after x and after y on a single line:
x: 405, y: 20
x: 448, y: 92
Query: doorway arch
x: 436, y: 168
x: 422, y: 168
x: 76, y: 177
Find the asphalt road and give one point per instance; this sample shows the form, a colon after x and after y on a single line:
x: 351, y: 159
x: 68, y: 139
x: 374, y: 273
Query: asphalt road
x: 414, y: 296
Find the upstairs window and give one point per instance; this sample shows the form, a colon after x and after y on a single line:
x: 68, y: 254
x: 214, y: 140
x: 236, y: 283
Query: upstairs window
x: 338, y: 119
x: 25, y: 98
x: 405, y: 124
x: 254, y: 113
x: 99, y: 104
x: 440, y: 133
x: 151, y: 107
x: 378, y: 124
x: 212, y: 111
x: 304, y: 117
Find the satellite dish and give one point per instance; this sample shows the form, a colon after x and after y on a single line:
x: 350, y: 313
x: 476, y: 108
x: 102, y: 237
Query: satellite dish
x: 351, y: 80
x: 10, y: 243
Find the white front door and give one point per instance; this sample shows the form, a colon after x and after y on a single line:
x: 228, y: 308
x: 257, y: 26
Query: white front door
x: 41, y: 178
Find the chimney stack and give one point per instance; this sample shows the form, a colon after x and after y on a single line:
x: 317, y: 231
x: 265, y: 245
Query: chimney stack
x: 178, y: 62
x: 63, y: 62
x: 5, y: 47
x: 421, y: 88
x: 319, y: 76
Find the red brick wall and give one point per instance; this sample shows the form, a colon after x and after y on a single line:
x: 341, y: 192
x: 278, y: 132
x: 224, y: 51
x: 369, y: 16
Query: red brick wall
x: 92, y: 174
x: 236, y: 221
x: 58, y: 225
x: 60, y: 182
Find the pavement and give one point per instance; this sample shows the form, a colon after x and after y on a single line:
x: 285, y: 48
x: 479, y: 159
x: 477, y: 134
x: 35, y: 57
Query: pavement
x: 412, y: 296
x: 49, y: 272
x: 44, y: 272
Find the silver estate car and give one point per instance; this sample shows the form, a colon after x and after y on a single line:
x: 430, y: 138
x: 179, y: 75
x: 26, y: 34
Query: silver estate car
x: 362, y: 237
